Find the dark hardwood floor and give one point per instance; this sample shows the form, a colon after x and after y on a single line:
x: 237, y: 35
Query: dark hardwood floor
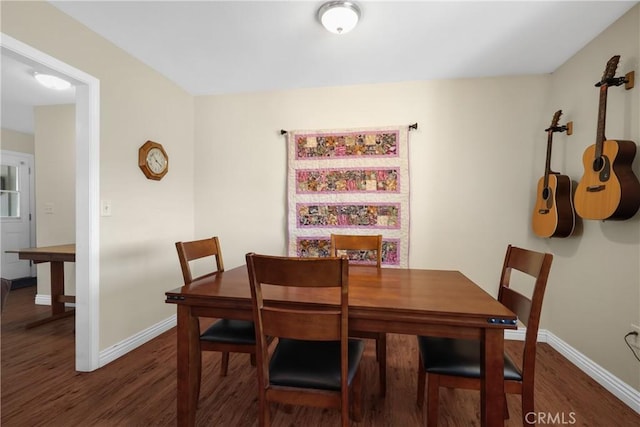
x: 41, y: 388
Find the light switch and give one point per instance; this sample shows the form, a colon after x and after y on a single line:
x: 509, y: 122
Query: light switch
x: 49, y: 208
x: 105, y: 207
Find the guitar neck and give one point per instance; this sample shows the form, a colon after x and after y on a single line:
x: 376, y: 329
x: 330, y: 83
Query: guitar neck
x: 602, y: 117
x: 547, y: 164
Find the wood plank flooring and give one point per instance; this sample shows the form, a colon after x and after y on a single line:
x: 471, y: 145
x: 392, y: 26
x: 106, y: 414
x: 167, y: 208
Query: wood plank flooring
x: 41, y: 388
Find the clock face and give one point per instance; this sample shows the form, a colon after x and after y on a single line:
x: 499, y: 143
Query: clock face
x: 153, y: 160
x: 156, y: 161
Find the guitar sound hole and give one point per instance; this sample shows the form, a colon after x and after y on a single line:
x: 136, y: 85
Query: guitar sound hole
x: 545, y: 193
x: 598, y: 164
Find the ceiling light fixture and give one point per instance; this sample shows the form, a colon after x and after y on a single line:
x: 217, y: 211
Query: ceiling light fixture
x: 339, y: 17
x: 52, y: 82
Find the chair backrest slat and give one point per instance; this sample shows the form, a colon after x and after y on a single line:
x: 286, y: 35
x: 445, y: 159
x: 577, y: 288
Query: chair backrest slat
x: 518, y: 303
x: 298, y: 272
x: 302, y: 325
x: 197, y: 249
x: 350, y: 242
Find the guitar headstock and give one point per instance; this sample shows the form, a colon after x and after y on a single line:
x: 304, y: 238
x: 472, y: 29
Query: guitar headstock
x: 609, y: 71
x: 556, y: 118
x: 554, y: 122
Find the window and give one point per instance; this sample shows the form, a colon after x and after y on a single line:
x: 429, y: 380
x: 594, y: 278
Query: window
x: 9, y: 192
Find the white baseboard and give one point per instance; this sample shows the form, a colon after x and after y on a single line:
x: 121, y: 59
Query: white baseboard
x: 620, y: 389
x: 46, y: 300
x: 125, y: 346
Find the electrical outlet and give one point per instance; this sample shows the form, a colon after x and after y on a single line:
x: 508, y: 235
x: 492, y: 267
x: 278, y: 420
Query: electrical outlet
x: 634, y: 340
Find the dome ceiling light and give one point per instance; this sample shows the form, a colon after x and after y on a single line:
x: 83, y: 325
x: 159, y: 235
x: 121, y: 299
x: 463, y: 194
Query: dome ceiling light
x: 51, y: 82
x: 339, y: 17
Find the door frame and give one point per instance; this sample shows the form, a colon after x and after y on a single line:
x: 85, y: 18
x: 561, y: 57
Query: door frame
x: 87, y: 265
x: 29, y: 160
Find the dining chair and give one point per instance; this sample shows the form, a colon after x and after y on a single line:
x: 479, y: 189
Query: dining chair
x: 456, y: 363
x: 314, y: 363
x: 224, y: 335
x: 362, y: 246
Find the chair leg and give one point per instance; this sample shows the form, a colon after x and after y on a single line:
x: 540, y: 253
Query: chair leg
x: 421, y: 380
x: 264, y: 415
x: 527, y: 406
x: 224, y: 364
x: 195, y: 323
x: 506, y: 408
x: 382, y: 363
x: 433, y: 388
x: 199, y: 376
x: 356, y: 396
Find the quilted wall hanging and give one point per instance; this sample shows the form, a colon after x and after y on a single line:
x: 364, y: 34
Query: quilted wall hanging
x: 352, y: 181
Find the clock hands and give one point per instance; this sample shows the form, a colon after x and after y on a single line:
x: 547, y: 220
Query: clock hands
x: 153, y: 160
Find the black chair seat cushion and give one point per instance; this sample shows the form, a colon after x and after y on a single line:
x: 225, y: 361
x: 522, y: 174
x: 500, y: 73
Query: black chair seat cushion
x: 312, y: 364
x: 458, y: 357
x: 231, y: 332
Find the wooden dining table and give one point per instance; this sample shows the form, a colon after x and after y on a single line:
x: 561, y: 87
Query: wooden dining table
x: 55, y: 255
x: 394, y: 300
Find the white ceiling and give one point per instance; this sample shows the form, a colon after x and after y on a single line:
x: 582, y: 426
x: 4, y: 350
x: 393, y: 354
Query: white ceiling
x: 215, y: 47
x: 20, y: 92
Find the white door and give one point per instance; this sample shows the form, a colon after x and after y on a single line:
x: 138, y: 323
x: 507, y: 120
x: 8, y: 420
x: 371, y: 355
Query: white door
x: 15, y: 207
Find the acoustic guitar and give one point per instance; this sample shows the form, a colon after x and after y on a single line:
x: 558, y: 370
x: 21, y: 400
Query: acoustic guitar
x: 553, y: 215
x: 608, y: 189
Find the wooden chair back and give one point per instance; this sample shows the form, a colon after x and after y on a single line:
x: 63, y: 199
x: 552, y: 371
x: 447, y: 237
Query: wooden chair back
x: 349, y: 242
x: 460, y: 367
x: 528, y: 309
x: 197, y: 249
x: 223, y: 335
x: 311, y: 323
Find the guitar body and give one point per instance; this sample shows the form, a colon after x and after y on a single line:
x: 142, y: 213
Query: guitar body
x: 553, y: 215
x: 609, y: 190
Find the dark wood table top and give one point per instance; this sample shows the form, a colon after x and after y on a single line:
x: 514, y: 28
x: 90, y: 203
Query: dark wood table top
x: 64, y: 253
x: 431, y: 296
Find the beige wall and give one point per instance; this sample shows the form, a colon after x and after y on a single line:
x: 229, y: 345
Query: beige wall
x: 55, y: 166
x: 138, y: 262
x: 474, y: 162
x: 17, y: 141
x: 595, y: 295
x: 470, y: 162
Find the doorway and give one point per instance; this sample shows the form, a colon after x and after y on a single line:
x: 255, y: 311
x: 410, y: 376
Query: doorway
x: 87, y: 185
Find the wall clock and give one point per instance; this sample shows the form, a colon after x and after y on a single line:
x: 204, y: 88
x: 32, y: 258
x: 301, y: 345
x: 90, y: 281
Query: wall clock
x: 153, y: 160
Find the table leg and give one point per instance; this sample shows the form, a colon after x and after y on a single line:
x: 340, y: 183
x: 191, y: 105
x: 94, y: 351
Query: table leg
x: 58, y: 298
x: 492, y: 392
x: 57, y: 287
x: 188, y: 353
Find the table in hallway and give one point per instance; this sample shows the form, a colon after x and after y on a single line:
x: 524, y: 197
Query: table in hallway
x: 56, y: 256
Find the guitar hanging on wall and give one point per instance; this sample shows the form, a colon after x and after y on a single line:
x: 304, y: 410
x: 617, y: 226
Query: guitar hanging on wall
x: 553, y: 215
x: 608, y: 189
